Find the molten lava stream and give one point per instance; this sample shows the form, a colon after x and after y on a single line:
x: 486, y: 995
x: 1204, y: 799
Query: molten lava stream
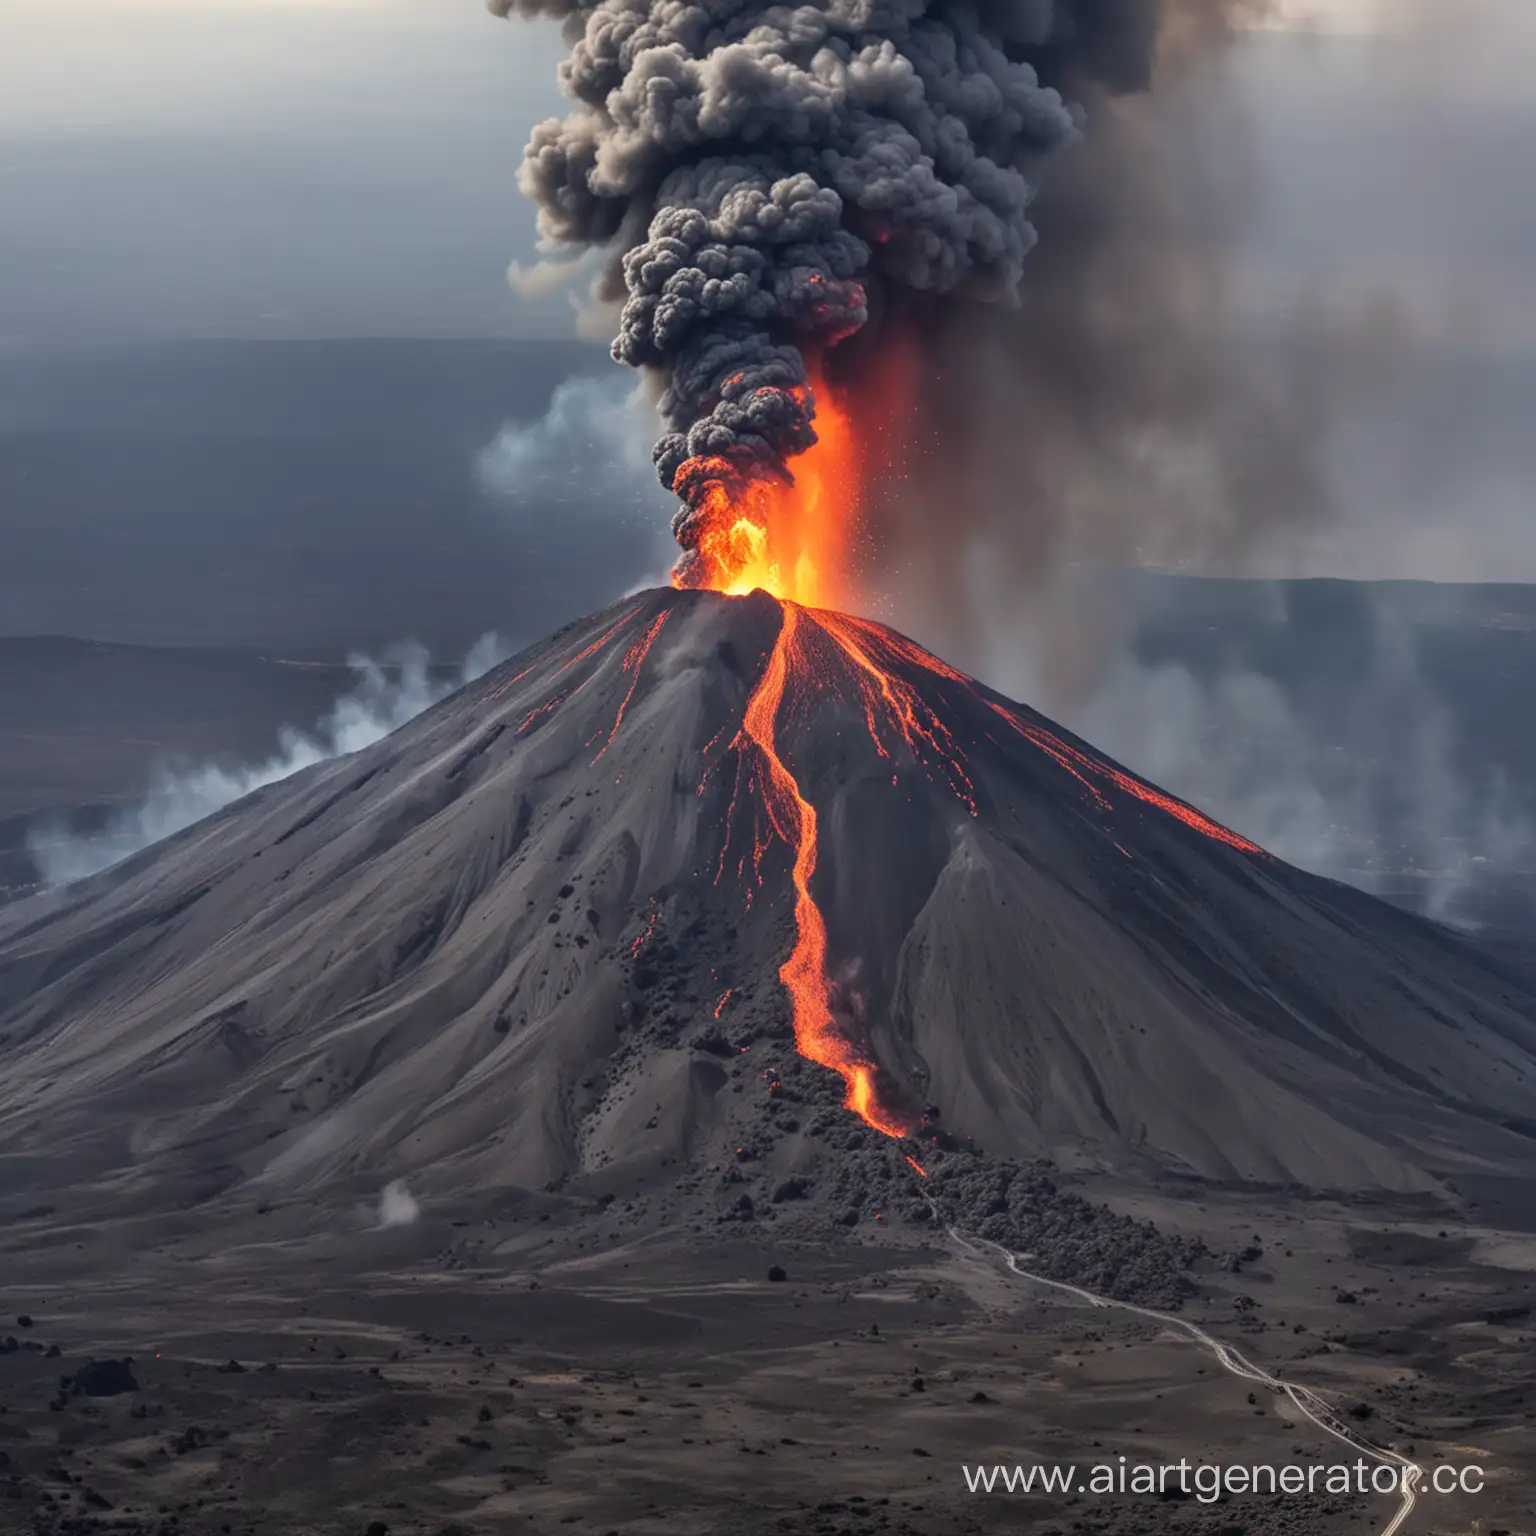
x: 804, y: 973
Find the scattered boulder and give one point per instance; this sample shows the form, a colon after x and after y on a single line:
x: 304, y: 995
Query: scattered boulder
x: 103, y: 1378
x: 195, y: 1438
x: 777, y: 1273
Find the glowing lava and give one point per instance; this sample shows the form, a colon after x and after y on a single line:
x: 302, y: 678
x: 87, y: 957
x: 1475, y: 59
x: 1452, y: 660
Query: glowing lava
x: 1080, y: 765
x: 822, y: 654
x: 793, y: 537
x: 634, y: 659
x: 893, y: 703
x: 804, y: 973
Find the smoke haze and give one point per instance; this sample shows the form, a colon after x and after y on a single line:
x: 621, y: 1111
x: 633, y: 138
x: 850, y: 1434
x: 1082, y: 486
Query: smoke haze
x: 389, y: 693
x: 592, y: 445
x: 1381, y: 771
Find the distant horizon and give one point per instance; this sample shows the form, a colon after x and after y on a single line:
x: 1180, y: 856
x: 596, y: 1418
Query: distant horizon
x: 304, y: 654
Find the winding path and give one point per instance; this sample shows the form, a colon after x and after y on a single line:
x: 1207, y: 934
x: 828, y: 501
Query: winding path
x: 1306, y: 1401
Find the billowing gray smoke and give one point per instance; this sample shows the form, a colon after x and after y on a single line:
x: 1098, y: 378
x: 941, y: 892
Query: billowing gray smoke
x: 767, y: 177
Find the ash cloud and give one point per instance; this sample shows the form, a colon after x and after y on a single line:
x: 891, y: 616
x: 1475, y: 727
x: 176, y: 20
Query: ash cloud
x: 765, y: 180
x: 1124, y: 412
x: 390, y: 692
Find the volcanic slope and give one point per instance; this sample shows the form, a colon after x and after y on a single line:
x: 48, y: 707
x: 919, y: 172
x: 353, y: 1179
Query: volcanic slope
x: 534, y: 942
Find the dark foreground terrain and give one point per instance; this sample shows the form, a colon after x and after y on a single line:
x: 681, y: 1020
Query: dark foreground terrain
x: 483, y: 1378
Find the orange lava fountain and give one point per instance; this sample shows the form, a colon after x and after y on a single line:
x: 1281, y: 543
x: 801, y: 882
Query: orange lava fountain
x: 804, y: 973
x: 794, y: 537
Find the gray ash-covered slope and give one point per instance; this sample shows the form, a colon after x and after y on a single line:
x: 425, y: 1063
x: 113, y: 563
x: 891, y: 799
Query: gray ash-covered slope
x: 533, y: 942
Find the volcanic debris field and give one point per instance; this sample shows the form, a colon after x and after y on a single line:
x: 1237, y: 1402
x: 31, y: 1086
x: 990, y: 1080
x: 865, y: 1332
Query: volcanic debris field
x: 581, y: 1110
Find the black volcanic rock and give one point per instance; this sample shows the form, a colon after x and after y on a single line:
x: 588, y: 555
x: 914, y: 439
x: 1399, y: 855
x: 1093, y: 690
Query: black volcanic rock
x: 486, y: 954
x: 103, y: 1378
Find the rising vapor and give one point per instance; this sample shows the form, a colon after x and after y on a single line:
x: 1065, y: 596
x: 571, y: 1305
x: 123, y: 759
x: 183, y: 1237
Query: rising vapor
x: 398, y: 1207
x: 389, y: 693
x: 591, y: 442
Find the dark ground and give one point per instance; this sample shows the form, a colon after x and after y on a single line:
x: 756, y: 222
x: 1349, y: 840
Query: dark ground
x: 672, y: 1388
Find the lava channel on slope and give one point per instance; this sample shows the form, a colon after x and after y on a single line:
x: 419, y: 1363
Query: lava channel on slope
x: 821, y: 654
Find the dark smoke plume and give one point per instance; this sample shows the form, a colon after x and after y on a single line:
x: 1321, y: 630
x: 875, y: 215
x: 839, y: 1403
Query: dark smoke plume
x: 766, y: 177
x: 1121, y: 413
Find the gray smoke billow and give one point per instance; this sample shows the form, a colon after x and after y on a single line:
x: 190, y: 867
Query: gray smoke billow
x: 388, y: 694
x: 765, y: 179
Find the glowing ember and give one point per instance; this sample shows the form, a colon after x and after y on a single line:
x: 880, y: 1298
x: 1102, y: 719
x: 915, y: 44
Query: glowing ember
x: 891, y: 701
x: 644, y: 937
x: 584, y: 654
x: 543, y: 709
x: 918, y: 1168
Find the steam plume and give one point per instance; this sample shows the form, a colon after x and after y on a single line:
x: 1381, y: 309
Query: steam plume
x: 398, y: 1207
x: 383, y: 700
x: 765, y: 178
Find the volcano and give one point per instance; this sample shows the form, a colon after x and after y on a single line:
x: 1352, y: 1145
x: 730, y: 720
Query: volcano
x: 704, y: 884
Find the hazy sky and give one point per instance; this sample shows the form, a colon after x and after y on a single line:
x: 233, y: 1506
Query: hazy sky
x: 180, y: 168
x: 264, y: 167
x: 174, y: 169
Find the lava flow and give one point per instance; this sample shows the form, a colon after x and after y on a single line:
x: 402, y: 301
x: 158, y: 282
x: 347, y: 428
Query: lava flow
x: 804, y: 973
x: 794, y: 538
